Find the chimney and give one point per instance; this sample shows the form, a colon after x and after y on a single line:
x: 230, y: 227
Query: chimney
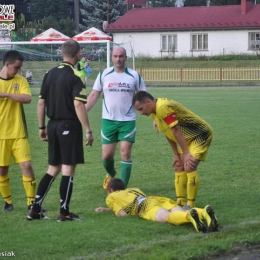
x: 246, y: 5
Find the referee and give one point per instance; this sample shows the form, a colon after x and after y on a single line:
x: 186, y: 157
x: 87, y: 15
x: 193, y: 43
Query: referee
x: 63, y: 98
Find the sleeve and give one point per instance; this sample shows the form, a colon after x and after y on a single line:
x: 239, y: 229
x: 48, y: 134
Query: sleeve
x: 24, y: 88
x: 140, y: 86
x: 43, y: 91
x: 111, y: 203
x: 168, y: 114
x: 79, y: 90
x: 98, y: 85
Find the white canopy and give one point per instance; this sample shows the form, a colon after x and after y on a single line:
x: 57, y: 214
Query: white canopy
x: 92, y: 34
x: 49, y: 36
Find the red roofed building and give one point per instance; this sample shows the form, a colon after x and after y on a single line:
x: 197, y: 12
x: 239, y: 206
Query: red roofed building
x: 190, y: 31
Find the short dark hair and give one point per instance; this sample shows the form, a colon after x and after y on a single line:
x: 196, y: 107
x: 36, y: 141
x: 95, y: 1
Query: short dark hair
x: 70, y: 48
x: 116, y: 184
x: 12, y: 56
x: 141, y: 96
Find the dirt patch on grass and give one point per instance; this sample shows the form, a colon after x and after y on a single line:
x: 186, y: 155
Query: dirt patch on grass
x: 249, y: 252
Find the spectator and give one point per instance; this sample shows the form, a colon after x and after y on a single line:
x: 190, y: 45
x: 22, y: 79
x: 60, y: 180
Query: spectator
x: 28, y: 76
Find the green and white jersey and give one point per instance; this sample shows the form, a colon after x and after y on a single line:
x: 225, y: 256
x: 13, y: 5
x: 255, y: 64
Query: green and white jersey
x: 118, y: 90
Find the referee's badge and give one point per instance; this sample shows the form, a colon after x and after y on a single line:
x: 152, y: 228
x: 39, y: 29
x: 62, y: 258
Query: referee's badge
x: 83, y: 92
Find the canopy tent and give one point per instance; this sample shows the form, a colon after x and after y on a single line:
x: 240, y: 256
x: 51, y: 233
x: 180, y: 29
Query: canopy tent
x: 49, y: 36
x: 92, y: 34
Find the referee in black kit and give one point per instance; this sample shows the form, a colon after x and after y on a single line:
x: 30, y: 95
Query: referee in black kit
x: 62, y: 97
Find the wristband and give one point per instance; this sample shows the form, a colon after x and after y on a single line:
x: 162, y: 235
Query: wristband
x: 42, y: 128
x: 90, y: 132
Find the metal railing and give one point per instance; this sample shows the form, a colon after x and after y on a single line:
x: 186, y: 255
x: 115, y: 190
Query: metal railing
x: 200, y: 74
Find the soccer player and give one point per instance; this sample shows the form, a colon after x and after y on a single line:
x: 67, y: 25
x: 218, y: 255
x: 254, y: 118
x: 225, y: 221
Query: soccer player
x: 81, y: 66
x: 133, y: 201
x: 63, y: 98
x: 119, y: 84
x: 188, y: 135
x: 14, y: 92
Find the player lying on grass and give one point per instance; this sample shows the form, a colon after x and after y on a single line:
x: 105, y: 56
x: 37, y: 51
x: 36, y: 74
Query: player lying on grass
x: 133, y: 201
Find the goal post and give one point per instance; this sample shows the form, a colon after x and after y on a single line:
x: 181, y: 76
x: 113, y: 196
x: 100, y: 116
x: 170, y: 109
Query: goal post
x: 42, y: 56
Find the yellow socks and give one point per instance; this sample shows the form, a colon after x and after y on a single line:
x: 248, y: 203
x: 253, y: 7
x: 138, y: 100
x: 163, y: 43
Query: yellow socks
x: 178, y: 218
x: 192, y: 187
x: 29, y: 185
x: 5, y: 188
x: 180, y: 183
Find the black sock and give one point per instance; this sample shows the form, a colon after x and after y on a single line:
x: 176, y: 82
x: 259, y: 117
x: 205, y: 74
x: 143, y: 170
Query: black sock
x: 42, y: 191
x: 66, y: 186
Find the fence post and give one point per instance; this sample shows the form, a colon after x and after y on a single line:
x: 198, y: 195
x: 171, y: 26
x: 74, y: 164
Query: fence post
x: 181, y: 74
x: 220, y: 74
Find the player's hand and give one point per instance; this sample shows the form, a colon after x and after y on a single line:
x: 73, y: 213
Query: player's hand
x: 101, y: 209
x: 43, y: 135
x: 190, y: 162
x: 155, y: 127
x: 90, y: 139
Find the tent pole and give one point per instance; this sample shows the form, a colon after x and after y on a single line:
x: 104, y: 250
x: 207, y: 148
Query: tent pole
x: 108, y: 54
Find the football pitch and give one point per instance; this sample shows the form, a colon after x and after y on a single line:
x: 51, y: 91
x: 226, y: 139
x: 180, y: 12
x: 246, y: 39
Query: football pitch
x: 229, y: 181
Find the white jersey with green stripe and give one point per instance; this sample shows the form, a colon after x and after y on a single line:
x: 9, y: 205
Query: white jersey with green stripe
x: 118, y: 90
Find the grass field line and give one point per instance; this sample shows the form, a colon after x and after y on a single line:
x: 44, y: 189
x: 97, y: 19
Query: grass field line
x: 149, y: 244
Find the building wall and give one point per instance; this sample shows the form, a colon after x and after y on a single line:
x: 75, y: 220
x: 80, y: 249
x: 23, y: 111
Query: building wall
x: 148, y: 44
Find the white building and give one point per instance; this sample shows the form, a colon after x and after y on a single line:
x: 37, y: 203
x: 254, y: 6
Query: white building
x: 190, y: 31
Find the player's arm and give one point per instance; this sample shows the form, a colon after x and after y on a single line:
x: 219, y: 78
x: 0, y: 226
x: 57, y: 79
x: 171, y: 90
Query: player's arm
x: 121, y: 213
x: 92, y: 99
x: 83, y: 118
x: 41, y: 119
x: 22, y: 98
x: 176, y: 130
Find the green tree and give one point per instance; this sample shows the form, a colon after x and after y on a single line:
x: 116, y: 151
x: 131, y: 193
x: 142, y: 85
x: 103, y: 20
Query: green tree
x: 57, y: 8
x: 94, y: 12
x: 162, y: 3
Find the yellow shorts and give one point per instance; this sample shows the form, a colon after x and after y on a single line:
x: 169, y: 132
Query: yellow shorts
x: 199, y: 150
x: 18, y: 148
x: 153, y: 204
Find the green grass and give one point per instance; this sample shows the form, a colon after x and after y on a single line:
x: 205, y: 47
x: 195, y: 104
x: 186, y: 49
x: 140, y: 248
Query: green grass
x: 229, y: 181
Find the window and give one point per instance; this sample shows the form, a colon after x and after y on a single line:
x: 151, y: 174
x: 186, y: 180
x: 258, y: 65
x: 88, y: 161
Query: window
x: 254, y: 41
x: 199, y: 42
x: 169, y: 43
x: 28, y: 8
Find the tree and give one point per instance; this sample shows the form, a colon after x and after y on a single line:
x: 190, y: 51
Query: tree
x: 162, y: 3
x: 94, y: 12
x: 58, y: 8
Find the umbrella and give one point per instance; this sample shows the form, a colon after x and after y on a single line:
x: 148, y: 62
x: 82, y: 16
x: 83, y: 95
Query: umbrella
x: 50, y: 35
x: 92, y: 34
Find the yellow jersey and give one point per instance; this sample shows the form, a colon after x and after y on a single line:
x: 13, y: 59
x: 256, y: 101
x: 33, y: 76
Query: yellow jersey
x: 169, y: 113
x: 12, y: 117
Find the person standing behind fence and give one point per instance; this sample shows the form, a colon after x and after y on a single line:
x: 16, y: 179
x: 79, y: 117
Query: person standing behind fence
x: 118, y: 83
x: 14, y: 92
x: 188, y: 135
x: 62, y: 96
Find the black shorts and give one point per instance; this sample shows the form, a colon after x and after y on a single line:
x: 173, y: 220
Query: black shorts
x: 65, y: 142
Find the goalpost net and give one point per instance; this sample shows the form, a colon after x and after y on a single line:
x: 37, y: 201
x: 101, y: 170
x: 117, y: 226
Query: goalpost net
x: 42, y: 56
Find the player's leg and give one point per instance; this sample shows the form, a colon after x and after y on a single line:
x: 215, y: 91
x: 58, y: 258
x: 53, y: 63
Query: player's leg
x: 5, y: 185
x: 126, y: 137
x: 72, y: 153
x: 109, y: 137
x: 126, y: 161
x: 180, y: 182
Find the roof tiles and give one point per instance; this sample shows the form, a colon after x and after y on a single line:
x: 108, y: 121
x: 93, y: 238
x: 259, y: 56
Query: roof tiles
x: 187, y: 18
